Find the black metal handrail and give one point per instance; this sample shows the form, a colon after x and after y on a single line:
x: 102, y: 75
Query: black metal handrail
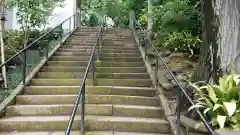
x: 178, y: 101
x: 72, y: 21
x: 81, y: 92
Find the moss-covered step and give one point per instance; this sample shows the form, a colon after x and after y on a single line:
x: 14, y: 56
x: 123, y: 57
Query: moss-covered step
x: 119, y: 64
x: 102, y: 90
x: 72, y: 54
x: 118, y: 51
x: 73, y: 50
x: 78, y: 75
x: 63, y: 69
x: 58, y: 82
x: 69, y: 58
x: 91, y: 46
x: 121, y: 55
x: 121, y: 70
x: 103, y: 50
x: 92, y: 123
x: 86, y: 58
x: 122, y: 59
x: 90, y: 109
x: 58, y: 109
x: 77, y: 46
x: 77, y: 133
x: 72, y: 133
x: 67, y: 63
x: 89, y: 99
x: 97, y: 63
x: 100, y: 82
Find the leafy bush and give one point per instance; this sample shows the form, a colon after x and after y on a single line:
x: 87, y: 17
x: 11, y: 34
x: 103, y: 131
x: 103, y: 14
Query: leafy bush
x: 220, y: 103
x: 182, y: 42
x: 176, y: 16
x: 12, y: 42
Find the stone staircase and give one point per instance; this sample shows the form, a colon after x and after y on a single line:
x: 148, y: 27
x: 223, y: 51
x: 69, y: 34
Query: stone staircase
x: 123, y: 101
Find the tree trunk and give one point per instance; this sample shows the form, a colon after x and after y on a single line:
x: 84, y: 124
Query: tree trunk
x: 149, y: 19
x: 229, y: 31
x: 2, y: 12
x: 220, y: 38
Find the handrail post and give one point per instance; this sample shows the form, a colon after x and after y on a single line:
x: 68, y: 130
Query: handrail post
x: 83, y: 108
x: 146, y: 51
x: 93, y: 70
x: 70, y: 23
x: 156, y: 71
x: 101, y: 39
x: 24, y: 66
x: 98, y: 49
x: 61, y: 36
x: 178, y: 100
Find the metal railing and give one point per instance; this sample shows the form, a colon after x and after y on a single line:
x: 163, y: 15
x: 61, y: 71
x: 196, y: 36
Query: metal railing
x: 81, y: 92
x: 182, y: 90
x: 20, y: 65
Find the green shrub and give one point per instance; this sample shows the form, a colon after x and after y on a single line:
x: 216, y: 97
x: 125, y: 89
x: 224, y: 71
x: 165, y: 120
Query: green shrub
x: 220, y: 103
x: 182, y: 42
x: 12, y: 42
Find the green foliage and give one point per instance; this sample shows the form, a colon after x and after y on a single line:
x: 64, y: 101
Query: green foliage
x: 13, y: 42
x: 220, y: 103
x: 176, y: 15
x: 93, y: 21
x: 182, y: 42
x: 34, y: 13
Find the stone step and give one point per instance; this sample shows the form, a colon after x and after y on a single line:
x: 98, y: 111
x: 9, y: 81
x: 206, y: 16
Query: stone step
x: 90, y: 109
x: 99, y: 64
x: 89, y: 99
x: 69, y: 58
x: 97, y: 69
x: 102, y: 90
x: 100, y: 82
x: 77, y: 75
x: 63, y: 69
x: 93, y: 42
x: 104, y: 55
x: 92, y: 123
x: 102, y: 50
x: 81, y: 58
x: 121, y: 69
x: 76, y: 133
x: 104, y: 47
x: 122, y: 59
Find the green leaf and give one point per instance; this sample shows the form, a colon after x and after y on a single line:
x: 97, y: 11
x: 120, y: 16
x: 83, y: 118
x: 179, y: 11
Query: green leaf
x: 221, y: 120
x: 195, y: 106
x: 206, y: 110
x: 230, y: 107
x: 216, y: 106
x: 212, y: 94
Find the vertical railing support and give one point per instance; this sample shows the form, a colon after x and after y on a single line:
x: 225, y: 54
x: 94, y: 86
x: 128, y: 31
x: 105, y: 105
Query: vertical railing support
x: 83, y: 108
x: 146, y: 50
x: 46, y: 51
x: 24, y: 66
x: 70, y: 24
x: 98, y: 50
x: 93, y: 70
x: 156, y: 71
x: 178, y: 112
x: 61, y: 36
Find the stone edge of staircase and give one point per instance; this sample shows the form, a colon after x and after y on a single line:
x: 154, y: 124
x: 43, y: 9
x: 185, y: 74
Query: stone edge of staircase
x: 162, y: 99
x: 19, y: 89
